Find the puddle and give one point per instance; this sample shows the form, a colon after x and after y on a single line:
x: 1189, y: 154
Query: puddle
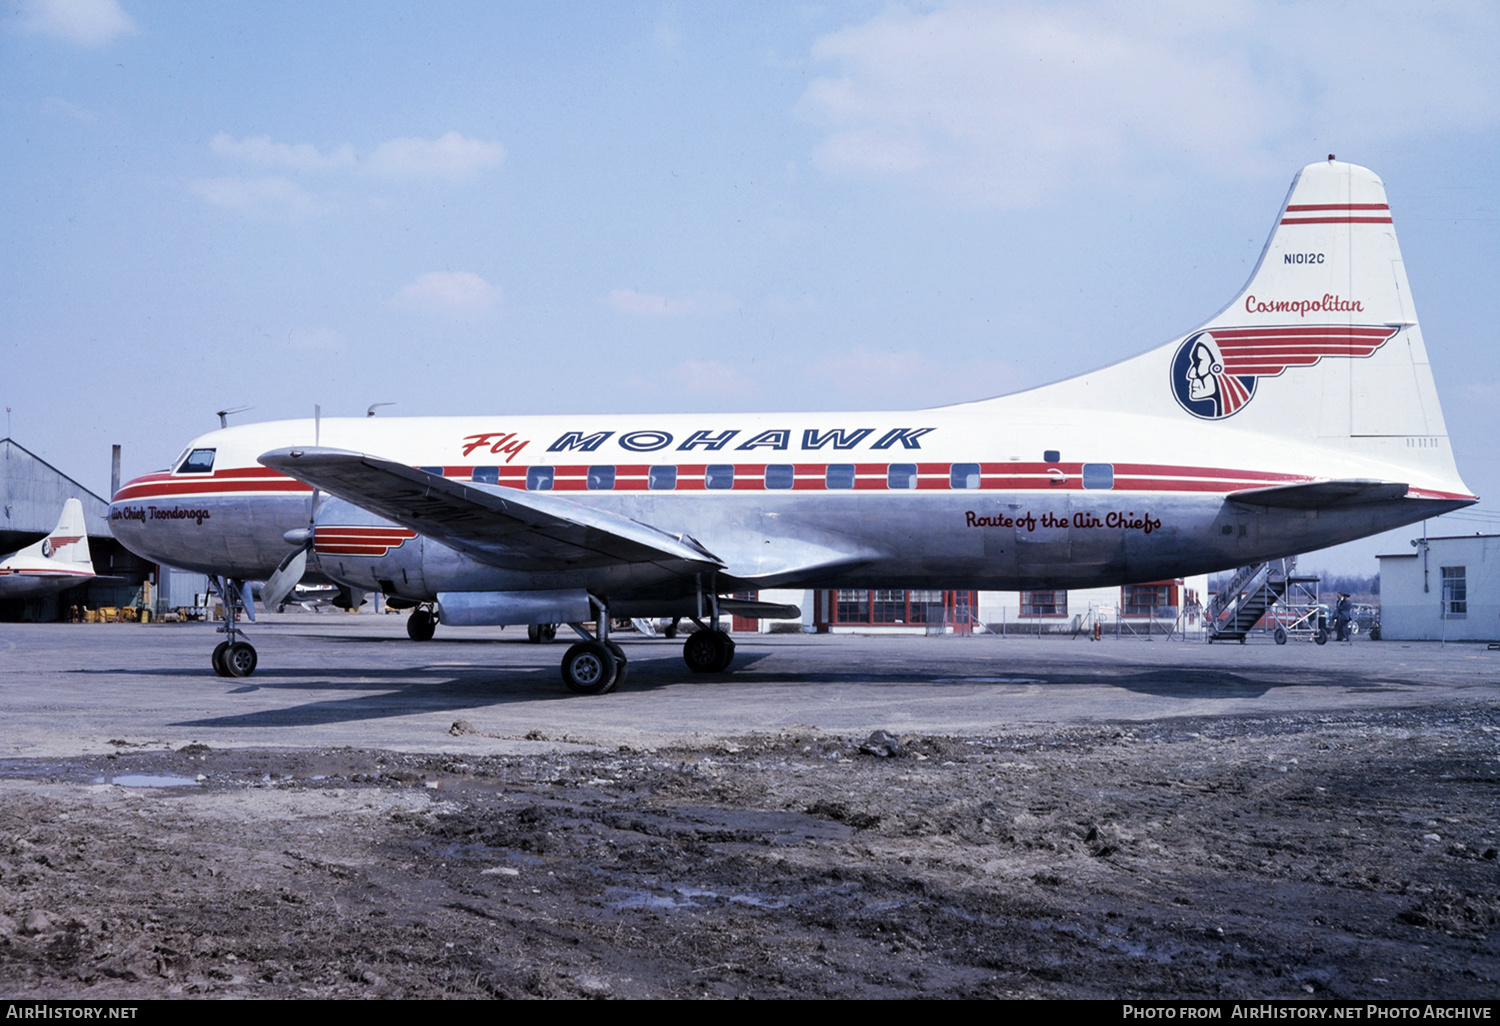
x: 988, y: 680
x: 684, y: 897
x: 145, y: 780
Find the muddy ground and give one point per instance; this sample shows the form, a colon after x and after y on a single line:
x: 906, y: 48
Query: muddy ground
x: 1348, y: 855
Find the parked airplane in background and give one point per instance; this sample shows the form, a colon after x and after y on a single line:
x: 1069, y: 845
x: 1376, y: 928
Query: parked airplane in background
x: 57, y: 562
x: 1301, y: 415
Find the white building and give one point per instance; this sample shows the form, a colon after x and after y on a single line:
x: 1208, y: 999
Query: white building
x: 1445, y: 589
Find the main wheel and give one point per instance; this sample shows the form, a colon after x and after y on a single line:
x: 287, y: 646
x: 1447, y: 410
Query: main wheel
x: 541, y: 633
x: 218, y: 659
x: 589, y: 668
x: 1279, y: 635
x: 708, y: 651
x: 240, y: 659
x: 421, y: 625
x: 620, y: 663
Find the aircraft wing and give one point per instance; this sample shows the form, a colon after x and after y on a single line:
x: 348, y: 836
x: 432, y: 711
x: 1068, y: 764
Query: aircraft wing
x: 513, y: 530
x: 1321, y: 494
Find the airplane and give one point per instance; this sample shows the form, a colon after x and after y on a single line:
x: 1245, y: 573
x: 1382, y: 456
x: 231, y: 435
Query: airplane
x: 59, y: 561
x: 1301, y: 415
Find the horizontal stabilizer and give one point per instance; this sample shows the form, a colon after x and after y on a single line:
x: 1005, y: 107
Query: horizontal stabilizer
x: 1321, y: 494
x: 753, y: 610
x: 509, y: 529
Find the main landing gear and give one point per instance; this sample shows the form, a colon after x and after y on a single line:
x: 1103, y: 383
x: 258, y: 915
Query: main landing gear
x: 595, y: 665
x: 233, y: 657
x: 708, y: 650
x: 422, y: 622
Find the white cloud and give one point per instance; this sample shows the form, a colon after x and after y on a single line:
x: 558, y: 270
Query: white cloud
x: 261, y: 150
x: 460, y: 294
x: 864, y: 377
x: 452, y: 156
x: 263, y: 197
x: 85, y: 22
x: 1002, y: 105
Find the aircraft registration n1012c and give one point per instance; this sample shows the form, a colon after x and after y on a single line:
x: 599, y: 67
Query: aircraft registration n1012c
x: 1302, y: 415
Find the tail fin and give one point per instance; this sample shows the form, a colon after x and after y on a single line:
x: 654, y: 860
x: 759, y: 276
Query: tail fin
x: 68, y: 544
x: 1321, y: 348
x: 1326, y: 324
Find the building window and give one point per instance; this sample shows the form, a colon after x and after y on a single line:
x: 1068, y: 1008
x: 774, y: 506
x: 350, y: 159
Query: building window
x: 854, y: 606
x: 539, y: 479
x: 661, y: 479
x: 1044, y: 603
x: 780, y: 475
x: 1146, y: 600
x: 840, y: 475
x: 1455, y: 593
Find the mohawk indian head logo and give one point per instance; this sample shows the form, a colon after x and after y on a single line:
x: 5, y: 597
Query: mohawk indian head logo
x: 1215, y: 373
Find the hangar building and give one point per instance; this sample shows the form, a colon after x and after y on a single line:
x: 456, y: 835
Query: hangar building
x: 32, y: 493
x: 1445, y: 589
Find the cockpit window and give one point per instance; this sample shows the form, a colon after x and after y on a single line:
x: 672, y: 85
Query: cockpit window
x: 199, y: 461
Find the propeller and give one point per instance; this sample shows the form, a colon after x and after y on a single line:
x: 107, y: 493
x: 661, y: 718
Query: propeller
x: 290, y: 570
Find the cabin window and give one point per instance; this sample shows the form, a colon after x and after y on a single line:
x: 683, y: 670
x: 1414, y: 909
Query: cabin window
x: 1098, y: 475
x: 436, y: 471
x: 963, y: 475
x: 719, y: 475
x: 1455, y: 593
x: 901, y: 475
x: 840, y: 475
x: 199, y: 461
x: 601, y: 479
x: 539, y: 479
x: 661, y: 479
x: 1051, y: 456
x: 780, y: 475
x: 487, y: 475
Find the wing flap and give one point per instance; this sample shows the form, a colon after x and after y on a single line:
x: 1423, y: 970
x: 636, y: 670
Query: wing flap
x: 509, y: 529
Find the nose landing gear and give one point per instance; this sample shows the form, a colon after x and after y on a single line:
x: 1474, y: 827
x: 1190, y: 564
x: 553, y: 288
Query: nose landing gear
x: 233, y: 657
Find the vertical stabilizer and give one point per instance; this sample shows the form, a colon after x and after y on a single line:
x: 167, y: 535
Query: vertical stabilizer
x: 1326, y: 323
x: 68, y: 544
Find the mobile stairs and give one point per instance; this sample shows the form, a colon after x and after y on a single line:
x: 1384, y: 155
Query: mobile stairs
x: 1269, y: 597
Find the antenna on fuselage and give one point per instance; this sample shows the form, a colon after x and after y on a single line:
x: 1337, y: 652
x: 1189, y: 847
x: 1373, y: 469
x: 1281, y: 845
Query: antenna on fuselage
x: 317, y: 424
x: 223, y: 415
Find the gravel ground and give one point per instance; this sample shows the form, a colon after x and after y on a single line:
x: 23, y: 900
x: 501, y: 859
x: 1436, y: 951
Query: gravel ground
x: 1346, y: 854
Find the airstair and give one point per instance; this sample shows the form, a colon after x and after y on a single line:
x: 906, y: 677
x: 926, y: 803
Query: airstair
x: 1249, y: 595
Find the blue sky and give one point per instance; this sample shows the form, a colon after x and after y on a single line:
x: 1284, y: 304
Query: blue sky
x: 643, y: 207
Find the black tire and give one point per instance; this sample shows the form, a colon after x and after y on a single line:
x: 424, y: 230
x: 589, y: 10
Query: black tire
x: 541, y: 633
x: 589, y: 668
x: 240, y: 659
x: 218, y: 659
x: 621, y: 663
x: 1321, y: 637
x: 421, y: 625
x: 708, y: 651
x: 1279, y: 635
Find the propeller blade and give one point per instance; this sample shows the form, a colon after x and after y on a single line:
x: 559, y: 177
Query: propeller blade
x: 247, y: 599
x: 281, y: 583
